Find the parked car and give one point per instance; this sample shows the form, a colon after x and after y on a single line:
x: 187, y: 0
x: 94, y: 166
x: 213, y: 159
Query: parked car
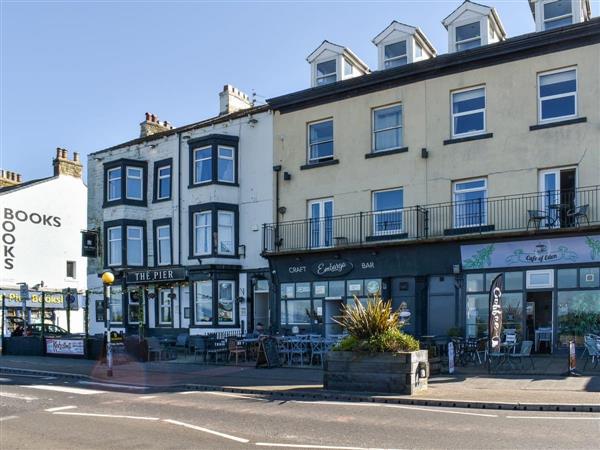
x: 50, y: 330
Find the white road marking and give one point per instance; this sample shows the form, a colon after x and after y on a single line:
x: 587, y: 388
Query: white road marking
x: 112, y: 416
x: 19, y: 396
x: 552, y: 418
x: 147, y: 397
x: 2, y: 419
x: 387, y: 405
x: 226, y: 394
x: 206, y: 430
x: 60, y: 408
x: 69, y: 390
x: 126, y: 386
x: 335, y: 447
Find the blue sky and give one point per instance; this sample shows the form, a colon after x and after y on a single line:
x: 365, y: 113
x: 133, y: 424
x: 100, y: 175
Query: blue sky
x: 81, y: 74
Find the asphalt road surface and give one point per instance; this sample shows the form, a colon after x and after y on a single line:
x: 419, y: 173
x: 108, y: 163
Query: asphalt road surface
x: 52, y: 413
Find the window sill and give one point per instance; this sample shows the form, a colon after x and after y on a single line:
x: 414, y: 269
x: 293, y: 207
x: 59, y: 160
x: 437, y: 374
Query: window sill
x: 559, y: 123
x: 386, y: 152
x: 126, y: 202
x: 161, y: 200
x: 330, y: 162
x: 469, y: 138
x: 208, y: 183
x: 386, y: 237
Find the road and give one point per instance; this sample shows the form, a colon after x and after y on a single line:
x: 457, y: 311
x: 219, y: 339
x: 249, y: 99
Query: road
x: 53, y: 413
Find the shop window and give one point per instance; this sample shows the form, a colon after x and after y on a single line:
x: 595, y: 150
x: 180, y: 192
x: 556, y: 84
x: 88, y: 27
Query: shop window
x: 165, y: 307
x: 135, y: 306
x: 489, y: 277
x: 355, y: 288
x: 475, y: 282
x: 100, y: 311
x: 373, y: 287
x: 288, y: 290
x: 320, y: 289
x: 566, y: 278
x: 538, y: 279
x: 226, y: 302
x: 116, y: 305
x: 578, y: 315
x: 298, y: 312
x: 589, y: 278
x: 512, y: 312
x: 337, y: 288
x: 283, y: 318
x: 302, y: 290
x: 203, y: 302
x: 513, y: 281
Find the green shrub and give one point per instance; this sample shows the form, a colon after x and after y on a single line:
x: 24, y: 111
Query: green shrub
x: 374, y: 328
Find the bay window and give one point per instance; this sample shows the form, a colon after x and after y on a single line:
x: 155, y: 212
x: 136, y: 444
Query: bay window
x: 125, y: 182
x: 213, y: 160
x: 114, y: 184
x: 203, y: 233
x: 203, y: 165
x: 124, y: 243
x: 226, y: 302
x: 114, y: 238
x: 135, y: 246
x: 134, y: 186
x: 163, y: 245
x: 213, y: 230
x: 203, y: 302
x: 215, y: 302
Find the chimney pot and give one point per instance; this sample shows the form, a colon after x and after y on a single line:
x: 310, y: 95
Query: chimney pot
x: 75, y: 156
x: 18, y: 178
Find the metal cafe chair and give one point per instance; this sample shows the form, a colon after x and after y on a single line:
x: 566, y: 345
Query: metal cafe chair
x: 579, y: 213
x: 317, y: 349
x: 536, y: 216
x: 525, y: 352
x: 234, y: 349
x: 592, y: 346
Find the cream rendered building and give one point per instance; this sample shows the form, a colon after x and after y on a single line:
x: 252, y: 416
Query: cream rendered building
x: 402, y: 179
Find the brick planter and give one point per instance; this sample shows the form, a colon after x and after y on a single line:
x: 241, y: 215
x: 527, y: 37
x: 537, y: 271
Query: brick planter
x: 396, y: 373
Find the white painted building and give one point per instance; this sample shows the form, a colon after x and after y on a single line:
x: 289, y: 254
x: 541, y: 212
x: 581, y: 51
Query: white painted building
x: 179, y: 214
x: 41, y: 229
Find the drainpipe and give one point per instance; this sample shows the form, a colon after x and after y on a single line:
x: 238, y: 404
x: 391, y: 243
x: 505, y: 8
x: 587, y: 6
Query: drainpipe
x: 277, y: 170
x: 179, y: 137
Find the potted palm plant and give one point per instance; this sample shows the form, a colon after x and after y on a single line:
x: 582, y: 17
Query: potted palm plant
x: 376, y: 356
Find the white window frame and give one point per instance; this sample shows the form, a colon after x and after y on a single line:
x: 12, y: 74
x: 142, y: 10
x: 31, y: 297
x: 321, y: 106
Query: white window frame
x: 530, y: 273
x: 388, y: 211
x: 161, y: 177
x: 220, y: 227
x: 140, y: 178
x: 196, y: 301
x: 163, y: 260
x: 197, y: 160
x: 165, y: 303
x: 310, y: 144
x: 233, y: 307
x: 405, y: 55
x: 226, y: 158
x: 114, y: 260
x: 554, y: 19
x: 455, y: 202
x: 141, y: 240
x: 208, y: 243
x: 374, y: 132
x: 464, y: 41
x: 321, y: 224
x: 551, y: 97
x: 110, y: 180
x: 320, y: 77
x: 466, y: 113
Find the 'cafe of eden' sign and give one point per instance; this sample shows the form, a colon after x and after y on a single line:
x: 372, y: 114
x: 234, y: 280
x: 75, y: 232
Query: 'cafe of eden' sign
x: 332, y: 268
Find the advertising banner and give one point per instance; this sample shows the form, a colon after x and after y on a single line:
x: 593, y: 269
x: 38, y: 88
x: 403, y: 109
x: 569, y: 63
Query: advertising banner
x: 495, y: 319
x: 531, y: 253
x: 54, y: 300
x: 65, y: 346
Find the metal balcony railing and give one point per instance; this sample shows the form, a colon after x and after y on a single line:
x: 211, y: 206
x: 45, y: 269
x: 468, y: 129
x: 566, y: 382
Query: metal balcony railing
x: 532, y: 211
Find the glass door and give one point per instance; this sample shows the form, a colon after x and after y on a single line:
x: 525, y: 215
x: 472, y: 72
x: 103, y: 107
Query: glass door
x: 321, y: 223
x: 557, y: 198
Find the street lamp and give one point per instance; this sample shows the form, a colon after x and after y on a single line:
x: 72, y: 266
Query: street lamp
x: 107, y: 279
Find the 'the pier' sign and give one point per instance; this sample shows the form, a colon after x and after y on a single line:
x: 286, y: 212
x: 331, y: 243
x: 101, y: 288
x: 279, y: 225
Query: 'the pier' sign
x: 162, y: 274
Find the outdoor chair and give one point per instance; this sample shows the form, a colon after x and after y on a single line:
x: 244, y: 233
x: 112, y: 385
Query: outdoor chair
x: 535, y: 216
x: 154, y: 348
x: 592, y: 347
x: 283, y: 347
x: 543, y: 335
x: 216, y: 347
x: 578, y: 214
x: 317, y: 349
x: 525, y: 352
x: 234, y: 349
x: 299, y: 347
x: 183, y: 343
x: 198, y: 346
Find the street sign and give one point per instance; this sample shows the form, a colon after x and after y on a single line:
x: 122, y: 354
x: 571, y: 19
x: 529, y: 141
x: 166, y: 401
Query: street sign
x: 89, y: 243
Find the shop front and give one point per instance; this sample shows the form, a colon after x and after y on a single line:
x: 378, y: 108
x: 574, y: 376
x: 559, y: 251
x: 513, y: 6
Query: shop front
x: 313, y: 287
x: 551, y: 293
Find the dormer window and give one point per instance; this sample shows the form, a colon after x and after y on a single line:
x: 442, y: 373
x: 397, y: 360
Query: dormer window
x: 395, y: 55
x: 468, y: 36
x: 557, y: 13
x: 326, y: 72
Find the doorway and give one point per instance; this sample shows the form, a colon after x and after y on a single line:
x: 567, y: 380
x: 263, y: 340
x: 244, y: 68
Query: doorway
x: 538, y: 322
x: 333, y: 308
x: 558, y: 195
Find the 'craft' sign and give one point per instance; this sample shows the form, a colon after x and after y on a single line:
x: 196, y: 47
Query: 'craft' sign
x: 332, y: 268
x: 156, y: 275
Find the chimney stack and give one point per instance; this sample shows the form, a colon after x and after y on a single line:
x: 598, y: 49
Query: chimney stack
x: 153, y: 125
x: 232, y: 100
x: 8, y: 178
x: 64, y: 166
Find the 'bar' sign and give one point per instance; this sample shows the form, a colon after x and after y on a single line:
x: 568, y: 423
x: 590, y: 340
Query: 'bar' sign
x: 163, y: 274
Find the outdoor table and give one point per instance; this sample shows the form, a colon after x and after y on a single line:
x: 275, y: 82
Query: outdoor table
x: 539, y: 333
x: 552, y: 219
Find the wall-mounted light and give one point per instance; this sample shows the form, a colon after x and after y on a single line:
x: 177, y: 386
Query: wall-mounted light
x: 282, y: 210
x: 424, y: 153
x: 287, y: 176
x: 242, y: 250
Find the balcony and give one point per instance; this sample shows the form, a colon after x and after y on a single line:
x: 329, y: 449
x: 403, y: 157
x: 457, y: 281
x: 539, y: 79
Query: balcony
x: 537, y: 211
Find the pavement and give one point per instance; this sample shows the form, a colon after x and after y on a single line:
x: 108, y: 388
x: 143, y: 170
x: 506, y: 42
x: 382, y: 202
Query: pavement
x: 468, y: 390
x: 55, y: 412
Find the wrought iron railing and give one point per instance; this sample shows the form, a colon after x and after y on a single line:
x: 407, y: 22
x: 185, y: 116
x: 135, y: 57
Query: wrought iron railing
x: 533, y: 211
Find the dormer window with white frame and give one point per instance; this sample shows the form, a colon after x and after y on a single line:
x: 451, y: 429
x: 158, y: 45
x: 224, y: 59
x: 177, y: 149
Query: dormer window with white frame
x: 330, y: 63
x: 473, y: 25
x: 551, y: 14
x: 326, y: 72
x: 401, y: 44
